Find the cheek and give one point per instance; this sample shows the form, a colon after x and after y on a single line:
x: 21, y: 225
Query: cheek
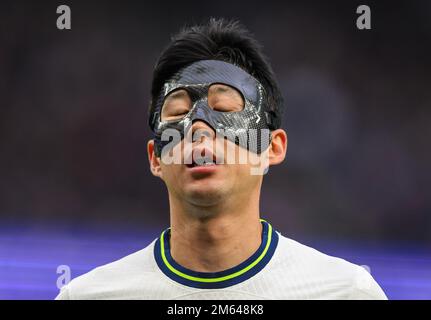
x: 233, y: 154
x: 168, y: 173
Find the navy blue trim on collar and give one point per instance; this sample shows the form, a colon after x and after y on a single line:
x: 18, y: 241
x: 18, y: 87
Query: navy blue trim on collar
x: 221, y: 279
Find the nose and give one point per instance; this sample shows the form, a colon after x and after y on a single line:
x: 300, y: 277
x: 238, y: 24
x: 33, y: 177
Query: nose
x: 202, y: 130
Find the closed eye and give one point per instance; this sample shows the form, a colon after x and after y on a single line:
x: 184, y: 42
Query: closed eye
x: 176, y: 105
x: 225, y: 98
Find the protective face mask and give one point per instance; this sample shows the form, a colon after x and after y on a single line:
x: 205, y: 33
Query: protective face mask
x: 248, y: 127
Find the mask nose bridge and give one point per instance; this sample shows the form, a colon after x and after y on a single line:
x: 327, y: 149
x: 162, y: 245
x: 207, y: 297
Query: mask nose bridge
x: 201, y: 112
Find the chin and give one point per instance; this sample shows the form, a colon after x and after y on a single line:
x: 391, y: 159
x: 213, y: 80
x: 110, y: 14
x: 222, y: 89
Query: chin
x: 205, y: 195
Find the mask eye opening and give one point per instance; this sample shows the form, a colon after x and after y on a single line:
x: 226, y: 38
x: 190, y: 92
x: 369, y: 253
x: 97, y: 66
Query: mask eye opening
x: 232, y: 97
x: 176, y: 104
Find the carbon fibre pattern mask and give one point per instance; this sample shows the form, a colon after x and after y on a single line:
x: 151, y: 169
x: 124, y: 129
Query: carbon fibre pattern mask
x: 244, y: 127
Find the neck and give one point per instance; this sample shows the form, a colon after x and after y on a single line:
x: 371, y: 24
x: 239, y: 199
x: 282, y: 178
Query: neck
x: 220, y: 237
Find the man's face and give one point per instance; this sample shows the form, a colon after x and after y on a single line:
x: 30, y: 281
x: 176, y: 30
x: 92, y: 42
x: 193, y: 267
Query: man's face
x: 218, y: 118
x: 210, y: 167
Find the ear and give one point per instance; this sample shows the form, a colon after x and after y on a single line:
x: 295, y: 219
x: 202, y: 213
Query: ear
x: 278, y: 147
x: 154, y: 161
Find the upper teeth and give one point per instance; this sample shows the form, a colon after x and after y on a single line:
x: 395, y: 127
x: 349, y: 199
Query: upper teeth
x: 204, y: 163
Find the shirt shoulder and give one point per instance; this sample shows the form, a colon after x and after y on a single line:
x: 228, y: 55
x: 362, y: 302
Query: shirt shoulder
x: 316, y: 275
x: 117, y: 280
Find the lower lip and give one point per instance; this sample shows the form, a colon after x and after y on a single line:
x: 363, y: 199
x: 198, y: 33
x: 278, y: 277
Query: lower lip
x: 203, y: 169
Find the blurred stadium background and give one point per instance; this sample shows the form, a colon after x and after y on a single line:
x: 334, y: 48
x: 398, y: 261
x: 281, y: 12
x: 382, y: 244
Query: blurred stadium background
x: 75, y: 188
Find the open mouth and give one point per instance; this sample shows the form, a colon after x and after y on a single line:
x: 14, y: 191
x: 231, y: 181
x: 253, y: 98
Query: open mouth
x: 203, y: 161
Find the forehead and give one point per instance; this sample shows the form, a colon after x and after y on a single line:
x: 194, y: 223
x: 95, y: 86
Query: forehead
x: 206, y: 72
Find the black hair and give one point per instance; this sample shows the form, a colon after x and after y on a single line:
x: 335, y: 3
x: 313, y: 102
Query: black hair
x: 217, y: 39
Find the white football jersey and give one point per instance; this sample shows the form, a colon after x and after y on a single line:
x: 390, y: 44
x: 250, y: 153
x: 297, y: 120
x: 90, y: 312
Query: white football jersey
x: 281, y: 268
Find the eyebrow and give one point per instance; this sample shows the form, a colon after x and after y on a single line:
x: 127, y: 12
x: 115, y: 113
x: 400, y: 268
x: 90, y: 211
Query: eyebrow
x: 221, y: 88
x: 177, y: 94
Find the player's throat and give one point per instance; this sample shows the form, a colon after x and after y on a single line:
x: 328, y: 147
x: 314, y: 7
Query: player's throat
x: 221, y: 279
